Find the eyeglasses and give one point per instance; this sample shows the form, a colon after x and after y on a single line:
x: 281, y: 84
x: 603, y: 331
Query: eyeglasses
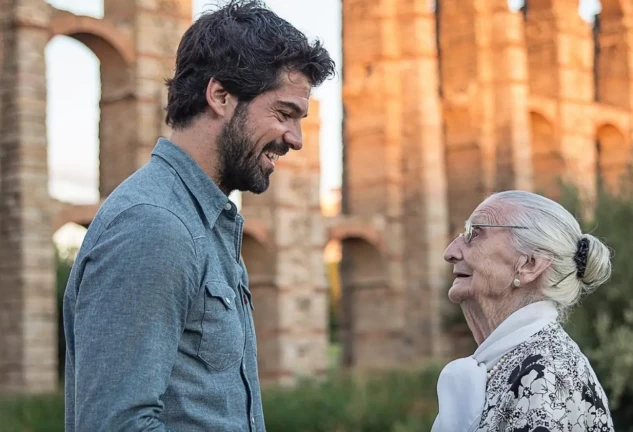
x: 468, y: 229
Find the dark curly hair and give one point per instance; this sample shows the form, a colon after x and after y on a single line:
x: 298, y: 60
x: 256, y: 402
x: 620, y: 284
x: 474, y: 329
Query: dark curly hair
x: 244, y: 46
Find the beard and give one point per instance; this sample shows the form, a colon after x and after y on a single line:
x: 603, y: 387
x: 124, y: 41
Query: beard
x: 241, y: 167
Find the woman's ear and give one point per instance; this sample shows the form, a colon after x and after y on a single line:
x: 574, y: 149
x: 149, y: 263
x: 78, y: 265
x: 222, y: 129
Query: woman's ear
x: 532, y: 267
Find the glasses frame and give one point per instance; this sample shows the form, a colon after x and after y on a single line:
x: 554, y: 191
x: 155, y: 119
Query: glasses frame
x: 468, y: 229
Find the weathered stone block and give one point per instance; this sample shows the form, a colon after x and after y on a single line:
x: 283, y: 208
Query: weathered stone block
x: 268, y: 356
x: 35, y: 13
x: 177, y: 8
x: 303, y: 311
x: 149, y: 122
x: 303, y: 354
x: 292, y: 227
x: 410, y: 37
x: 290, y: 188
x: 291, y: 268
x: 164, y: 31
x: 317, y: 270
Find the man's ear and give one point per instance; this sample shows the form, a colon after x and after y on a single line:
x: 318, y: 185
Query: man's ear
x: 532, y: 267
x: 218, y: 98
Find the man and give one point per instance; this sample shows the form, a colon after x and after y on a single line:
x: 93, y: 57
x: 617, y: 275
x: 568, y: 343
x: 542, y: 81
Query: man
x: 157, y: 310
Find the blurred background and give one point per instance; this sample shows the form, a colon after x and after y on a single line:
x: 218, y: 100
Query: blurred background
x: 435, y: 105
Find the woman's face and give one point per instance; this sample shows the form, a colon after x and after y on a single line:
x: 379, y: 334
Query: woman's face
x: 485, y: 266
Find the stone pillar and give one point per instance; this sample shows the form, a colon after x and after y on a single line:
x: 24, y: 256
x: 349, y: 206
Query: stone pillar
x: 423, y: 186
x: 5, y: 28
x: 574, y: 66
x: 373, y: 187
x: 291, y: 299
x: 614, y: 83
x: 156, y: 27
x: 613, y: 55
x: 484, y: 98
x: 28, y: 319
x: 540, y: 30
x: 466, y: 107
x: 512, y: 132
x: 556, y: 40
x: 627, y: 18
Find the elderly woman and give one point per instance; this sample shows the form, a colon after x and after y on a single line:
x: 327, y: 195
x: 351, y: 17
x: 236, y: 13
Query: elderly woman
x: 520, y: 265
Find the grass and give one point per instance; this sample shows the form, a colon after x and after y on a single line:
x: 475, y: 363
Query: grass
x: 396, y: 401
x: 43, y: 413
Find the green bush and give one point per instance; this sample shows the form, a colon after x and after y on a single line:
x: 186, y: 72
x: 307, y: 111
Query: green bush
x: 32, y: 414
x: 399, y: 401
x: 603, y: 323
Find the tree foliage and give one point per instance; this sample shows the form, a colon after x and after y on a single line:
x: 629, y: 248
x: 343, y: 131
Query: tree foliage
x: 602, y: 324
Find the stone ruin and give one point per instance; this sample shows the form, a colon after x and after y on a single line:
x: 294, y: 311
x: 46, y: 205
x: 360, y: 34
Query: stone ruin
x: 442, y: 107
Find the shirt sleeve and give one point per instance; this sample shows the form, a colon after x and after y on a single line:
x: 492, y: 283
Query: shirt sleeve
x: 135, y: 287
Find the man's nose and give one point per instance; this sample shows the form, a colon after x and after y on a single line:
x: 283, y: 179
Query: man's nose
x: 294, y: 138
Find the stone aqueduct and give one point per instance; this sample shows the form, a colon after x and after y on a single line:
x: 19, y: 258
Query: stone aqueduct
x: 434, y: 120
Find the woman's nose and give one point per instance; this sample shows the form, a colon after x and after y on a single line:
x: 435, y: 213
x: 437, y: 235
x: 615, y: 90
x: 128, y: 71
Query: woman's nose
x: 453, y: 252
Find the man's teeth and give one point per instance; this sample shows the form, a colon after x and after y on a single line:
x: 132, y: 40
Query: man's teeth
x: 272, y: 156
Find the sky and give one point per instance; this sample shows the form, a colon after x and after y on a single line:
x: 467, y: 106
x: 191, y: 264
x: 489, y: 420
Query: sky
x: 74, y: 93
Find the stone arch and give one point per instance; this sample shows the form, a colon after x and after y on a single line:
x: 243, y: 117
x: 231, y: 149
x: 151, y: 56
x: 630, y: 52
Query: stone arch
x: 464, y: 167
x: 81, y: 215
x: 353, y: 228
x: 612, y: 55
x: 116, y: 53
x: 258, y: 230
x: 99, y: 35
x: 613, y: 157
x: 547, y: 162
x: 365, y: 304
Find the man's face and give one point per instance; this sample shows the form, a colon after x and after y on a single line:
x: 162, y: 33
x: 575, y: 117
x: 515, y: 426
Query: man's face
x: 260, y: 132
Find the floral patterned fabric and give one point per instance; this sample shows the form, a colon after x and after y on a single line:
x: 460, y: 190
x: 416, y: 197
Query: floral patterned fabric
x: 546, y: 385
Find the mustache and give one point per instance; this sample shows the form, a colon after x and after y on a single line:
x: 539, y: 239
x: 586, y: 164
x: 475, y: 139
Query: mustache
x: 276, y: 147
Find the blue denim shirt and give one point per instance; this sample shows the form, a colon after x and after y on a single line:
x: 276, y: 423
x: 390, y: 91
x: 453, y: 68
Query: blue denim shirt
x: 157, y: 310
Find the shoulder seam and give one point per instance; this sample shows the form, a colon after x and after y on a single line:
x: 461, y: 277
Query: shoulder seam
x: 155, y: 206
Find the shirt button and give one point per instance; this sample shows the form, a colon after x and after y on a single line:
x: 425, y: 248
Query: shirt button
x: 227, y: 206
x: 252, y: 420
x: 228, y: 300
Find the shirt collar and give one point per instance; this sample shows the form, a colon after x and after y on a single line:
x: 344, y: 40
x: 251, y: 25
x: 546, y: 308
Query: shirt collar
x: 209, y: 196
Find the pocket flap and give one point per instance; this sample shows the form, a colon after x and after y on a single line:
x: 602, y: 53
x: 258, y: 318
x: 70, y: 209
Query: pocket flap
x: 222, y: 292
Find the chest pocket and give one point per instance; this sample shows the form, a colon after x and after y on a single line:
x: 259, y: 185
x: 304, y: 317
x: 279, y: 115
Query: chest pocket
x: 222, y: 342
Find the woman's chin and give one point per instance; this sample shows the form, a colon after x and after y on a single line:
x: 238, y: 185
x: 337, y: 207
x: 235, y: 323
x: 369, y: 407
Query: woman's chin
x: 459, y: 291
